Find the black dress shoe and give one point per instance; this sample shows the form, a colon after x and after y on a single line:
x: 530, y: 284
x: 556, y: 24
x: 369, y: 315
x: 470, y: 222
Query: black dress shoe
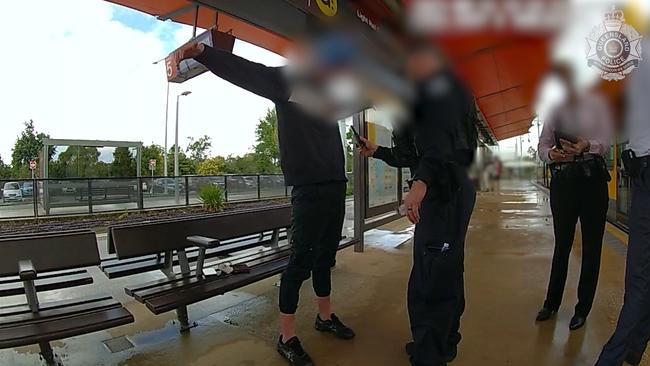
x: 634, y: 358
x: 451, y: 356
x: 577, y: 322
x: 293, y: 352
x: 545, y: 314
x: 452, y: 353
x: 334, y: 326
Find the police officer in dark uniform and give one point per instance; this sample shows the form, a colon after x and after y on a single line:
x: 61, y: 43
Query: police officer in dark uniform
x: 630, y: 340
x: 439, y: 146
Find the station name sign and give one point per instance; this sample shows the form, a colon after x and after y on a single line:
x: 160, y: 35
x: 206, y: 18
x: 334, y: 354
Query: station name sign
x: 334, y: 9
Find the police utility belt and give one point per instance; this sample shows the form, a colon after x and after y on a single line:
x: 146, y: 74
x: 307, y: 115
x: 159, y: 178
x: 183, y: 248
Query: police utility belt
x: 584, y: 166
x: 634, y: 166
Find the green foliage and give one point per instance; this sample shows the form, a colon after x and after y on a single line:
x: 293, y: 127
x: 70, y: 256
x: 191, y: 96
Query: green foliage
x: 77, y: 161
x: 246, y: 164
x: 28, y: 147
x: 154, y: 152
x: 5, y: 170
x: 199, y: 149
x: 212, y: 166
x: 212, y: 197
x: 123, y: 163
x: 266, y: 150
x: 185, y: 164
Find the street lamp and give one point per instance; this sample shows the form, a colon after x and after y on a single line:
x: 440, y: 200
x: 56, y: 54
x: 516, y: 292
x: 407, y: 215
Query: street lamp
x: 176, y: 167
x: 165, y: 152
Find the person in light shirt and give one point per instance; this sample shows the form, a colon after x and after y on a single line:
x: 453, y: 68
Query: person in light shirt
x: 574, y: 141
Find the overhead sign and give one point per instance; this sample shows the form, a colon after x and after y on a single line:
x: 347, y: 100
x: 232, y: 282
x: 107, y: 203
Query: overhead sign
x: 187, y: 69
x: 328, y: 7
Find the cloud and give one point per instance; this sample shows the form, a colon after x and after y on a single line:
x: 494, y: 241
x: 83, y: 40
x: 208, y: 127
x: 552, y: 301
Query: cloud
x: 80, y: 72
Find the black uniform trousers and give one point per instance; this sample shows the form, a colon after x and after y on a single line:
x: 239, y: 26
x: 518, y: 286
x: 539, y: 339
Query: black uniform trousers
x: 317, y: 221
x: 576, y: 197
x: 436, y: 298
x: 633, y: 329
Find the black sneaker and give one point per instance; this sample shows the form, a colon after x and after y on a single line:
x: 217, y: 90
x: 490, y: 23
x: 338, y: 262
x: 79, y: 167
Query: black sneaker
x: 334, y: 326
x: 293, y: 352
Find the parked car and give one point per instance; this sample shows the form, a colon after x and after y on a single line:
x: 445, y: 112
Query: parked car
x: 27, y: 189
x: 167, y: 185
x: 11, y: 192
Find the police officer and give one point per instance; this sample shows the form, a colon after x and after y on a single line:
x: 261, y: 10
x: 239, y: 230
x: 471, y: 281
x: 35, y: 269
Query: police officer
x: 574, y: 140
x: 439, y: 147
x: 630, y: 339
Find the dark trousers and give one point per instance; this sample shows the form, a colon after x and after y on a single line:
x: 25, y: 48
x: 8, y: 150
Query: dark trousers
x: 317, y: 221
x: 574, y: 198
x: 436, y: 298
x: 633, y: 329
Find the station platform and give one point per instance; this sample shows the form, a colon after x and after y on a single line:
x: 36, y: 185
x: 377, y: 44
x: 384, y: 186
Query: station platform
x: 508, y: 258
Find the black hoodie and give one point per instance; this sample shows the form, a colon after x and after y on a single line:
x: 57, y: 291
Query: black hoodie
x: 311, y: 150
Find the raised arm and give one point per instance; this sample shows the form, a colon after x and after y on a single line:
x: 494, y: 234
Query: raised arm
x: 265, y: 81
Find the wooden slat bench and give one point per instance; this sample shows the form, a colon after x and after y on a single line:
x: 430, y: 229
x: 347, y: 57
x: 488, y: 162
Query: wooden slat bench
x: 188, y: 243
x: 44, y: 262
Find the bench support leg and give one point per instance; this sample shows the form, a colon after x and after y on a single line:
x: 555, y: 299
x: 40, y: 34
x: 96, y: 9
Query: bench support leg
x: 48, y: 354
x: 183, y: 319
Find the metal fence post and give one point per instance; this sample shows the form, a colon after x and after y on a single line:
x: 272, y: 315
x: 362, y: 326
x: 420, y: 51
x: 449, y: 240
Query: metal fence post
x: 35, y: 196
x: 259, y: 187
x: 225, y: 187
x: 187, y: 191
x: 90, y: 196
x: 140, y: 194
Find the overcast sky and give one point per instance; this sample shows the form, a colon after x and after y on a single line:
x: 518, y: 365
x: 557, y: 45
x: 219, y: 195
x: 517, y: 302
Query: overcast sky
x: 91, y: 76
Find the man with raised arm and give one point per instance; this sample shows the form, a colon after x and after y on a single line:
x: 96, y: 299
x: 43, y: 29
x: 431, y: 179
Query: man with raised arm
x: 312, y: 160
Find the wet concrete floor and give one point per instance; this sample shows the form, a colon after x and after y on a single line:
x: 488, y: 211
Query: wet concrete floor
x: 509, y: 251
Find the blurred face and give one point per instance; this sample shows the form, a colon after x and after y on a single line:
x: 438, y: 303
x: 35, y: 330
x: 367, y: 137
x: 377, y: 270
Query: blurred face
x: 422, y: 64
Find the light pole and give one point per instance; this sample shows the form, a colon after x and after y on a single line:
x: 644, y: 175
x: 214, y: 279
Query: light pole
x: 176, y: 167
x: 165, y: 153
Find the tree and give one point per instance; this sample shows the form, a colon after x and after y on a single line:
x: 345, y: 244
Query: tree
x: 212, y: 166
x: 241, y: 164
x: 27, y: 147
x: 185, y: 164
x: 123, y: 163
x: 199, y: 149
x: 154, y: 152
x: 266, y: 150
x: 76, y: 162
x: 5, y: 170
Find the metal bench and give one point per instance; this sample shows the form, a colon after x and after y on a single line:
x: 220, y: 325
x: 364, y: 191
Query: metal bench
x: 44, y: 262
x: 188, y: 244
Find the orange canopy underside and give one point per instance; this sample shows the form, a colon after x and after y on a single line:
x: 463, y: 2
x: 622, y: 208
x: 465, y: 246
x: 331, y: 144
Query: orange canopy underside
x: 503, y: 71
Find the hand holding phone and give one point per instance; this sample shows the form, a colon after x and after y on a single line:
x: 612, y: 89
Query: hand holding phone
x: 357, y: 138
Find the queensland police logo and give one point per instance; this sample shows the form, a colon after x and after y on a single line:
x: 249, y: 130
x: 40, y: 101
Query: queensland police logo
x: 328, y: 7
x: 614, y: 47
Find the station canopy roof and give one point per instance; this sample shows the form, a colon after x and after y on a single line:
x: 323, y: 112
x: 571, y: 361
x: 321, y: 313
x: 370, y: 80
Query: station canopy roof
x: 502, y: 70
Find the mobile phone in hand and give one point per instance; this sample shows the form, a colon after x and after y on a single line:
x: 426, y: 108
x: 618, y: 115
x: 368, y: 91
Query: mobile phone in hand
x: 559, y: 135
x: 357, y: 138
